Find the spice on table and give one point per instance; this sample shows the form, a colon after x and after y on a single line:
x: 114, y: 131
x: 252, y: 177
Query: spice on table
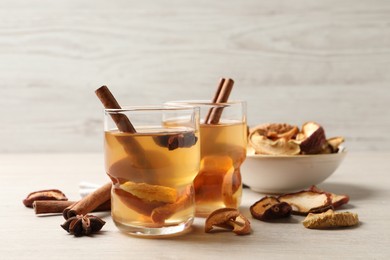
x: 89, y: 202
x: 83, y: 225
x: 55, y: 207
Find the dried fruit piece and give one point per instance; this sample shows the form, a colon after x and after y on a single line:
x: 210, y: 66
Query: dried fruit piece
x: 52, y: 194
x: 241, y: 225
x: 335, y: 142
x: 330, y: 219
x: 276, y: 131
x: 83, y: 225
x: 228, y: 218
x: 162, y: 213
x: 175, y: 141
x: 137, y: 204
x: 227, y: 189
x: 304, y: 202
x: 211, y: 174
x: 150, y: 192
x: 312, y: 138
x: 269, y: 208
x: 337, y: 200
x: 263, y: 145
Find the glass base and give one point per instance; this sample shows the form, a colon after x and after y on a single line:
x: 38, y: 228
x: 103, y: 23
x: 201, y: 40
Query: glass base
x: 147, y: 232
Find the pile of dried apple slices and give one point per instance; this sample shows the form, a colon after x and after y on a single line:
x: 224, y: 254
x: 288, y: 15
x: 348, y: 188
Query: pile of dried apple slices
x: 285, y: 139
x: 316, y: 204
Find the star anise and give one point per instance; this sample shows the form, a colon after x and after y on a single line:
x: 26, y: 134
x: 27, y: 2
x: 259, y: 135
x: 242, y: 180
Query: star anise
x: 83, y: 225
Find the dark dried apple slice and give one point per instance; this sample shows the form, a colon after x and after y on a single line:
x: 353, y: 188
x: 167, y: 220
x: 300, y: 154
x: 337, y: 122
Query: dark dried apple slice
x: 304, y: 202
x: 312, y: 138
x: 269, y: 208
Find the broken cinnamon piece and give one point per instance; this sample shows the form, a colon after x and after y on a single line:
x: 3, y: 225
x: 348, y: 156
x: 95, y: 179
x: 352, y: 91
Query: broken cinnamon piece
x: 270, y: 208
x: 53, y: 206
x: 52, y: 194
x: 108, y: 100
x: 150, y: 192
x: 337, y: 200
x: 330, y: 219
x: 89, y: 202
x: 228, y: 218
x: 304, y: 202
x: 223, y: 94
x: 162, y: 213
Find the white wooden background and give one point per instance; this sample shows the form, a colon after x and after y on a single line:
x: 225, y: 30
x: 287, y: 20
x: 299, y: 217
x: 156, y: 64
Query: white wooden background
x: 292, y: 60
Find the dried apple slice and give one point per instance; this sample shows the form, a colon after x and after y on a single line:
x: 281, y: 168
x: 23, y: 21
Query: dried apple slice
x: 150, y: 192
x: 135, y: 203
x: 304, y: 202
x: 162, y: 213
x: 228, y: 218
x: 227, y: 189
x: 269, y: 208
x: 275, y: 131
x: 263, y: 145
x: 312, y: 138
x: 335, y: 143
x: 330, y: 219
x: 337, y: 200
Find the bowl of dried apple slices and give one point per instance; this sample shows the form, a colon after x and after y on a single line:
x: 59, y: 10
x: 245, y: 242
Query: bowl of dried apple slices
x: 285, y: 158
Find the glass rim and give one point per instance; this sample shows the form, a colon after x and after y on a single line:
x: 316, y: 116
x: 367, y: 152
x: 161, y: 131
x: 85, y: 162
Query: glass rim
x: 203, y: 102
x: 164, y: 107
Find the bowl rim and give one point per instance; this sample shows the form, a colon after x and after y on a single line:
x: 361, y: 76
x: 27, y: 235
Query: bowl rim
x: 342, y: 151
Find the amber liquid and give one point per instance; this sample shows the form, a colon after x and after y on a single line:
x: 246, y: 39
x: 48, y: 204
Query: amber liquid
x: 148, y: 178
x: 218, y: 183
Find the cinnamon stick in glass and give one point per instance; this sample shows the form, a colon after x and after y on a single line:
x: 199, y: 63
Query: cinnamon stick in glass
x: 122, y: 122
x: 222, y: 95
x: 215, y: 99
x: 108, y: 100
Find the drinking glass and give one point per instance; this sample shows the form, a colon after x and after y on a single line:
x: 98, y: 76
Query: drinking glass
x: 223, y: 138
x: 152, y: 167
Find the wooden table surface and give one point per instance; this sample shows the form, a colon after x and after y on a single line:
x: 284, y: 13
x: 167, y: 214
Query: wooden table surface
x: 364, y: 176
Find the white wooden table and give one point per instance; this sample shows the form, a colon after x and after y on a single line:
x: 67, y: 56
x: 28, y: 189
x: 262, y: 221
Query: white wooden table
x: 364, y: 176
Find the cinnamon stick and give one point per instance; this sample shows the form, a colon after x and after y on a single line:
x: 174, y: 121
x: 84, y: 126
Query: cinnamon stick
x: 53, y: 207
x: 221, y: 96
x: 108, y: 100
x: 215, y: 98
x: 89, y: 202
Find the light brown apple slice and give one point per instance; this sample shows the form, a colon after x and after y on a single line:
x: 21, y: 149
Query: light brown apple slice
x: 304, y: 202
x: 337, y: 200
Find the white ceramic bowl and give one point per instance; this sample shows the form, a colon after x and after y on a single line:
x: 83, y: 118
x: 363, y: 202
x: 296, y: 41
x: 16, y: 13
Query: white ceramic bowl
x: 283, y: 174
